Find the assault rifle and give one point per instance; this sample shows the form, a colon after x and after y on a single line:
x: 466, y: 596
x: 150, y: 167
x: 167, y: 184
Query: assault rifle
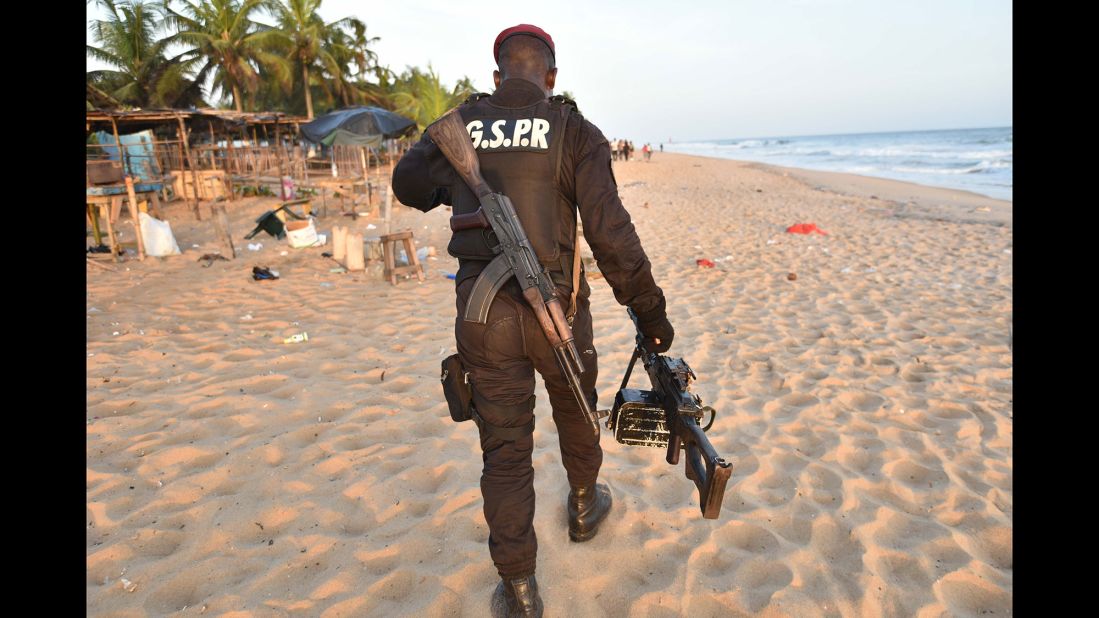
x: 669, y: 416
x: 515, y: 257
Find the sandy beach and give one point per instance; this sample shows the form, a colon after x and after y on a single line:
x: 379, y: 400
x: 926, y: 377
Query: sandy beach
x: 866, y: 404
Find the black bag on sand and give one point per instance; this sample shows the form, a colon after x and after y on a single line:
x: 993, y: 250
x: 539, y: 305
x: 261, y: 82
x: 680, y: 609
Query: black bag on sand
x: 459, y: 397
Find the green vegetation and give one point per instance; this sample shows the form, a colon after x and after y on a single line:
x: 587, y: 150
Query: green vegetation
x: 253, y: 55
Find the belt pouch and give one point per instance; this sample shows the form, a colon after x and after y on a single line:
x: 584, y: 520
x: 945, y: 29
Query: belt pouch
x: 459, y: 396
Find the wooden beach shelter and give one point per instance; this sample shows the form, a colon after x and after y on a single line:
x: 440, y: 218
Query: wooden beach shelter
x: 170, y: 160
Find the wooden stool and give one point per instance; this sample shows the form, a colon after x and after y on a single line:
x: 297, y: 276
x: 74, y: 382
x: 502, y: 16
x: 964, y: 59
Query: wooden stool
x: 389, y: 250
x: 305, y: 203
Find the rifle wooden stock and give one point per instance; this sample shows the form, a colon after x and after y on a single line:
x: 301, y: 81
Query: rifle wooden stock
x: 450, y: 135
x: 469, y: 221
x: 534, y: 299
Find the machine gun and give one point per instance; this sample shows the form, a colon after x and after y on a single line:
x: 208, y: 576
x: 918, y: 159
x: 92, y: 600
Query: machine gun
x: 515, y: 257
x: 669, y: 416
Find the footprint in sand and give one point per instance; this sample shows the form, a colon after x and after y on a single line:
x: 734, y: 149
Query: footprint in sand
x: 966, y: 594
x: 191, y: 586
x: 397, y: 586
x: 794, y: 524
x: 992, y: 545
x: 916, y: 372
x: 759, y: 579
x: 791, y: 404
x: 900, y: 531
x: 400, y: 384
x: 860, y: 401
x: 900, y: 569
x: 426, y: 481
x: 824, y: 486
x: 266, y: 384
x: 241, y: 355
x: 884, y: 366
x: 949, y: 410
x: 836, y: 544
x: 381, y: 561
x: 912, y: 474
x: 861, y: 454
x: 304, y: 436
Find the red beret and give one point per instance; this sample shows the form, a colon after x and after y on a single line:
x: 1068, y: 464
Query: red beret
x: 522, y: 29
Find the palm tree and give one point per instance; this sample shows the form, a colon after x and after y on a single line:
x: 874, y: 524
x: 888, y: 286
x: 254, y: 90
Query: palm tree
x: 421, y: 95
x: 346, y: 49
x: 380, y: 93
x: 143, y: 76
x: 322, y: 50
x: 233, y: 46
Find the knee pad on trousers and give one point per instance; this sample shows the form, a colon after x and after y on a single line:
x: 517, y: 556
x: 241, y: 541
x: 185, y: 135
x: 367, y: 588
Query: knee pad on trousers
x: 496, y: 410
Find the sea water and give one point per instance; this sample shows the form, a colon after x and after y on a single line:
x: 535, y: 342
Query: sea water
x: 977, y: 160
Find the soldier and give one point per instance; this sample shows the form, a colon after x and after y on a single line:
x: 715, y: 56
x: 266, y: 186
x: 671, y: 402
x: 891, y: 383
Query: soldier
x: 539, y: 151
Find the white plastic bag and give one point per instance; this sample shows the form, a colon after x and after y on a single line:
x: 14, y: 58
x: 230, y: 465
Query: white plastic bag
x: 157, y: 236
x: 301, y: 234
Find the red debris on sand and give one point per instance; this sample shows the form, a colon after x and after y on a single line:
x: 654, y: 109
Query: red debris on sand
x: 805, y: 228
x: 705, y: 262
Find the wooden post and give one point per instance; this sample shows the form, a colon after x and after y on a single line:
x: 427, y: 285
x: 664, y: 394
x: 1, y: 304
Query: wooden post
x: 355, y: 259
x: 93, y: 216
x: 267, y: 153
x: 213, y: 149
x: 278, y: 157
x: 254, y: 150
x: 304, y: 172
x: 129, y: 180
x: 121, y: 151
x: 339, y: 243
x: 191, y: 162
x: 182, y: 170
x: 221, y: 227
x: 389, y: 197
x: 230, y: 156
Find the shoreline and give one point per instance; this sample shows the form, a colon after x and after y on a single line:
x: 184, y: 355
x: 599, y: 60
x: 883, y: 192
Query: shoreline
x: 909, y: 199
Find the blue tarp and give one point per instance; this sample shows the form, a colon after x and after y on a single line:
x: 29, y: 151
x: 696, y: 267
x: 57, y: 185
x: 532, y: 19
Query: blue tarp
x: 139, y: 187
x: 139, y: 152
x: 359, y: 126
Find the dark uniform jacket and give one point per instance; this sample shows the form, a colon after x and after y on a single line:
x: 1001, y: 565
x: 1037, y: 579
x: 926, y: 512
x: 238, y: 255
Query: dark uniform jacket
x: 562, y: 164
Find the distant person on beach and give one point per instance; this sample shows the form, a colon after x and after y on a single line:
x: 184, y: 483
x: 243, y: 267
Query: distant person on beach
x: 614, y: 150
x: 553, y: 164
x: 661, y: 147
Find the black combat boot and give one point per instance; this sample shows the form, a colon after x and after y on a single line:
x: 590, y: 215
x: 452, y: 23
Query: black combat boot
x: 587, y: 507
x: 517, y: 598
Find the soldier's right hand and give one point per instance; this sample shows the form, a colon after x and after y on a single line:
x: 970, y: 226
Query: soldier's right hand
x: 658, y: 335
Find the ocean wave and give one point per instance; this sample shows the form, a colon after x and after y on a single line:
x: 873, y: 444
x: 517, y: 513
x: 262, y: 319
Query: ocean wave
x: 980, y: 167
x: 738, y: 144
x: 916, y: 152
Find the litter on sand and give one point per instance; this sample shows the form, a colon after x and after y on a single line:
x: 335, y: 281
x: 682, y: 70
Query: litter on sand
x: 805, y: 228
x: 259, y: 273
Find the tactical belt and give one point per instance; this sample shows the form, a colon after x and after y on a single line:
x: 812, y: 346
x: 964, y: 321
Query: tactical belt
x: 507, y: 434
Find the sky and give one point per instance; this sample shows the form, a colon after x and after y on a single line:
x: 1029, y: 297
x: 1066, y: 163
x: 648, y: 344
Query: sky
x: 654, y: 71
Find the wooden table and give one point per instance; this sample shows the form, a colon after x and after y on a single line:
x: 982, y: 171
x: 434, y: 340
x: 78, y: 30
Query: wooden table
x: 345, y: 186
x: 110, y: 197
